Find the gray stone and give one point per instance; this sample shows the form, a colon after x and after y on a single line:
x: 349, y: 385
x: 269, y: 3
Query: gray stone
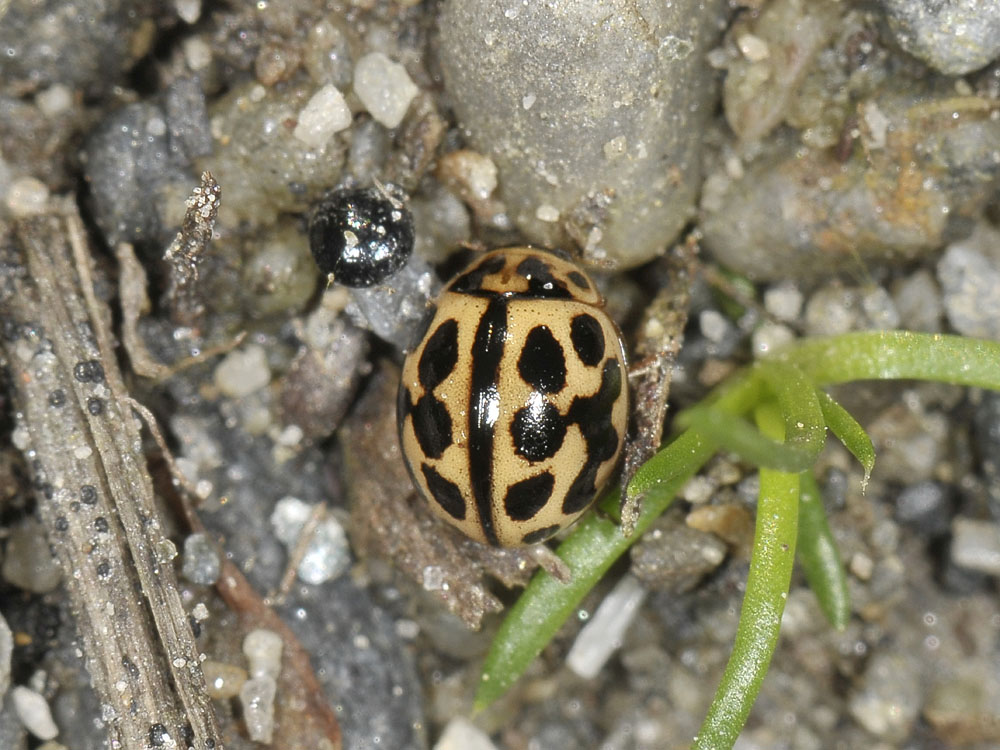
x: 138, y: 164
x: 953, y: 36
x: 926, y: 506
x: 262, y: 167
x: 592, y: 111
x: 969, y: 272
x: 887, y: 699
x: 201, y: 560
x: 87, y: 44
x: 802, y: 213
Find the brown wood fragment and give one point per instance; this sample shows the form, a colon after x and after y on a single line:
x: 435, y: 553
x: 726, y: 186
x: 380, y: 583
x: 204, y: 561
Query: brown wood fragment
x: 661, y: 334
x: 94, y: 493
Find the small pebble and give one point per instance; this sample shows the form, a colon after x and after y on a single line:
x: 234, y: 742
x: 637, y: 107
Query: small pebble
x: 34, y: 712
x: 462, y: 734
x: 784, y: 301
x: 384, y: 87
x: 925, y: 506
x: 770, y: 337
x: 189, y: 11
x: 197, y: 53
x: 243, y: 371
x: 603, y: 634
x: 29, y: 564
x: 887, y: 699
x: 325, y: 113
x: 257, y: 699
x: 969, y: 272
x: 263, y: 651
x: 547, y: 212
x: 714, y: 325
x: 27, y: 197
x: 6, y: 649
x: 675, y: 557
x: 975, y: 545
x: 327, y: 555
x: 55, y: 99
x: 201, y: 560
x: 918, y: 300
x: 861, y: 566
x: 224, y: 681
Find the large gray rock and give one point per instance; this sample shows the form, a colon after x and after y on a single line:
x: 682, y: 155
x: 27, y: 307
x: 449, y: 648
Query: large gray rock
x: 952, y: 36
x: 592, y: 110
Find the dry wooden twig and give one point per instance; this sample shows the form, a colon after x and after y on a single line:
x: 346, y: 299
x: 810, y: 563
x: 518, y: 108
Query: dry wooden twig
x: 94, y: 495
x: 661, y: 336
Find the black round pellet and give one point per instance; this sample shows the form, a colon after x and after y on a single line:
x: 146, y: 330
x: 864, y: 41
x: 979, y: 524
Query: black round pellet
x: 360, y: 236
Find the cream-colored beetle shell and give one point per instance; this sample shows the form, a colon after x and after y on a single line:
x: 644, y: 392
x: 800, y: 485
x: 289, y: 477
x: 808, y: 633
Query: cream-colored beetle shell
x: 513, y: 407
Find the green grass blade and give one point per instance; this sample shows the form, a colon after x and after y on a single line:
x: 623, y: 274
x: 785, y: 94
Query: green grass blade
x: 881, y: 355
x: 805, y: 427
x: 763, y: 604
x: 849, y: 432
x: 736, y: 435
x: 589, y: 551
x: 818, y: 555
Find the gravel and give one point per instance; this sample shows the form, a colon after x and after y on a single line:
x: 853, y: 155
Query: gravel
x: 840, y: 160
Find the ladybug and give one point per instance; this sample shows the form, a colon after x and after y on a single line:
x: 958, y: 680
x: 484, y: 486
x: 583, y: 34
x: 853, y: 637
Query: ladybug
x: 513, y: 407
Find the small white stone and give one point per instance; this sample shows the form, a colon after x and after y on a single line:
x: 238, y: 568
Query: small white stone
x: 770, y: 337
x: 263, y: 651
x: 325, y: 113
x: 462, y: 734
x: 34, y: 712
x: 547, y: 212
x: 27, y: 197
x: 603, y: 634
x: 384, y: 87
x: 714, y: 325
x: 197, y: 53
x: 189, y: 11
x: 975, y: 545
x: 528, y: 101
x: 156, y: 127
x: 784, y: 301
x: 243, y: 371
x: 257, y: 698
x: 753, y: 47
x: 54, y: 99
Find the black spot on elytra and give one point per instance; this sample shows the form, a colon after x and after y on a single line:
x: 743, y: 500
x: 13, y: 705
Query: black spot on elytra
x: 439, y: 355
x: 579, y: 279
x: 593, y: 415
x: 541, y: 282
x: 538, y: 430
x: 431, y: 425
x: 472, y: 280
x: 445, y: 492
x: 587, y: 335
x: 540, y: 535
x: 525, y: 498
x: 542, y: 363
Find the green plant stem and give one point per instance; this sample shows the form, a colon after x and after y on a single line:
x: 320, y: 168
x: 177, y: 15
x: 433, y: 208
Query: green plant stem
x: 882, y: 355
x: 764, y: 602
x: 818, y: 555
x: 546, y: 604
